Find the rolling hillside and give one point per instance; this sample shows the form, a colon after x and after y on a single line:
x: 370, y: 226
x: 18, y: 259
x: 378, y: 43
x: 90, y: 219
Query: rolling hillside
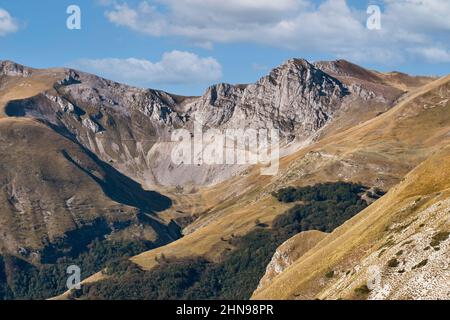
x: 400, y: 241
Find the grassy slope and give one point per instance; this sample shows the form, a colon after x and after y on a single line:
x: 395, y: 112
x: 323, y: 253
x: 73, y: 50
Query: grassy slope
x: 355, y: 154
x: 15, y: 88
x: 388, y: 224
x: 289, y: 252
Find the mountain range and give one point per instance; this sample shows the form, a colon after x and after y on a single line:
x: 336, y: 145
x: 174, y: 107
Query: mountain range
x: 87, y: 175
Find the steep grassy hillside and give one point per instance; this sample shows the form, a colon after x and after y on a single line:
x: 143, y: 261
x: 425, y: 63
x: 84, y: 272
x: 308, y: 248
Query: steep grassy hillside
x: 23, y: 82
x: 395, y: 249
x: 51, y: 185
x: 290, y: 251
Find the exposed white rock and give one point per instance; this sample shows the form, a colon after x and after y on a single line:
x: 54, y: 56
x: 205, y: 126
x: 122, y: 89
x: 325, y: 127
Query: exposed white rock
x: 9, y: 68
x: 410, y: 265
x: 91, y: 125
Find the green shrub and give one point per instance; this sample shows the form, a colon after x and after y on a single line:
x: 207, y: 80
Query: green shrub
x: 393, y: 263
x: 362, y: 290
x: 438, y: 238
x: 31, y: 282
x: 329, y: 274
x: 420, y: 264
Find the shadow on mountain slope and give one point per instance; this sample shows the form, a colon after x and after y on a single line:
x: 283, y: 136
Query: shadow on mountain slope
x: 122, y: 189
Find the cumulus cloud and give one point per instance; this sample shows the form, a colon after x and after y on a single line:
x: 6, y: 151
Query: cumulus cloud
x: 434, y: 54
x: 327, y: 26
x: 419, y: 15
x: 7, y: 23
x: 175, y: 67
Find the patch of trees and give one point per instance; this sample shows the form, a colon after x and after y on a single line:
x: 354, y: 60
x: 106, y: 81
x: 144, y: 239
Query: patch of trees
x: 27, y: 281
x: 334, y: 191
x: 325, y: 207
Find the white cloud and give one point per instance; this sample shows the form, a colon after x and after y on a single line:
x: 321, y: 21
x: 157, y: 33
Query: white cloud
x: 419, y: 15
x: 434, y: 55
x: 204, y: 21
x: 175, y: 67
x: 7, y: 23
x: 331, y: 27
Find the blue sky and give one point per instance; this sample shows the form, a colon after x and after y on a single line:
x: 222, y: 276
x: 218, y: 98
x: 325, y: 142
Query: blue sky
x: 183, y: 46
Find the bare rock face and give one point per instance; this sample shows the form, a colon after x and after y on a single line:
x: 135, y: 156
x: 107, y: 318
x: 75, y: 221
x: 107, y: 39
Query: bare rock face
x: 9, y: 68
x: 414, y: 265
x: 295, y: 98
x: 131, y: 128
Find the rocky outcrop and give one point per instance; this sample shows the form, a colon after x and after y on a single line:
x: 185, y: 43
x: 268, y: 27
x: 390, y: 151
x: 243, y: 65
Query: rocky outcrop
x: 412, y: 264
x: 289, y: 252
x: 295, y: 98
x: 9, y: 68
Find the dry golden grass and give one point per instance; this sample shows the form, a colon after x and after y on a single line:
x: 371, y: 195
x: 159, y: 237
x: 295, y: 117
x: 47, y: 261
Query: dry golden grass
x: 211, y: 240
x: 15, y: 88
x: 289, y: 252
x: 361, y: 235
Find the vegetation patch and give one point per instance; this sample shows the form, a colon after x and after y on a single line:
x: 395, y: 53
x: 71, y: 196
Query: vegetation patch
x: 438, y: 238
x: 381, y: 253
x: 398, y: 254
x: 28, y: 281
x: 362, y: 290
x: 407, y: 242
x: 421, y: 264
x: 324, y: 208
x: 339, y: 191
x: 393, y: 263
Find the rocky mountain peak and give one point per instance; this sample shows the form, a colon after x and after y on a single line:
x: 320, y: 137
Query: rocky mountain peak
x: 297, y: 98
x: 296, y: 67
x: 10, y: 68
x: 295, y: 63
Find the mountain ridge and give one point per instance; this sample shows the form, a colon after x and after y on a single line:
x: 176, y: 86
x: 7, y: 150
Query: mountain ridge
x: 295, y: 98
